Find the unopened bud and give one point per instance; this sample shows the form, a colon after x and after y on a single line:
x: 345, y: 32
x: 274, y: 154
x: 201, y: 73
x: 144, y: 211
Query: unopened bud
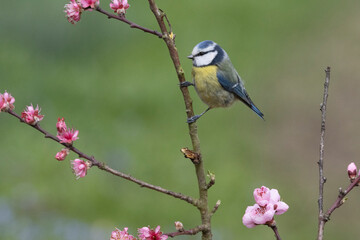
x: 88, y: 164
x: 179, y: 226
x: 352, y: 171
x: 343, y: 201
x: 60, y: 156
x: 211, y: 176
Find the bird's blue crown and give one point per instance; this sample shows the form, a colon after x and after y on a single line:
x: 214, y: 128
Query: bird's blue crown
x: 207, y: 53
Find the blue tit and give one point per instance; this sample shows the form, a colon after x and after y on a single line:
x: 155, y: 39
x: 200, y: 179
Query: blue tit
x: 215, y: 79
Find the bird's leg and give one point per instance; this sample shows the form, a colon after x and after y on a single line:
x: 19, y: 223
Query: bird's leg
x: 186, y: 84
x: 196, y: 117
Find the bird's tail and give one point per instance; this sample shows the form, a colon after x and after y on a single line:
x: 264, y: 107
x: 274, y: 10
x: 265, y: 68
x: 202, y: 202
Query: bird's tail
x: 257, y: 111
x: 250, y: 104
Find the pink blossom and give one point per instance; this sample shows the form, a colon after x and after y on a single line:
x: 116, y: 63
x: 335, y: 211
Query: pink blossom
x: 146, y: 233
x: 6, y: 102
x: 62, y: 154
x: 267, y: 205
x: 121, y: 235
x: 2, y: 101
x: 68, y: 136
x: 32, y: 116
x: 90, y: 3
x: 256, y: 215
x: 80, y: 167
x: 73, y: 11
x: 119, y: 6
x: 61, y: 125
x: 352, y: 170
x: 262, y: 195
x: 65, y: 135
x: 274, y: 196
x: 280, y: 207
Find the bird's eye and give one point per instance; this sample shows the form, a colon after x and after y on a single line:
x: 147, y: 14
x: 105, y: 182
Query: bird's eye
x: 201, y: 53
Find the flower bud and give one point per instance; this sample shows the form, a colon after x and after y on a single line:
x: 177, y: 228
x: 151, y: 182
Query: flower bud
x: 179, y: 226
x: 352, y: 171
x: 60, y: 156
x: 61, y: 125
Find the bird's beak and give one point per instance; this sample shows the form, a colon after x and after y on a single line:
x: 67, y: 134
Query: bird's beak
x: 190, y: 57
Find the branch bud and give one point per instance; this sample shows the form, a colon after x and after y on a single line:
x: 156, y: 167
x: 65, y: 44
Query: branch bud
x: 343, y: 201
x: 195, y: 157
x: 179, y: 226
x: 60, y: 156
x: 352, y: 171
x: 211, y: 176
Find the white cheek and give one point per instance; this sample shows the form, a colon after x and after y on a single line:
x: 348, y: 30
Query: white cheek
x: 205, y: 59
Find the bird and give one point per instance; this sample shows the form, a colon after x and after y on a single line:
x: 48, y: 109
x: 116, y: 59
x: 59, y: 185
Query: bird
x: 215, y: 79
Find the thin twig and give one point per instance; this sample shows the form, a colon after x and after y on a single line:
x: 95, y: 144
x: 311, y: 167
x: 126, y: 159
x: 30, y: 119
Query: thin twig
x: 212, y: 180
x: 106, y: 168
x: 322, y: 179
x: 192, y: 231
x: 216, y: 207
x: 210, y: 184
x: 131, y: 24
x: 276, y: 231
x: 338, y: 202
x: 340, y: 199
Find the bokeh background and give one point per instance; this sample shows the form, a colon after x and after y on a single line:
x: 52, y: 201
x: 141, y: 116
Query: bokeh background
x: 118, y: 87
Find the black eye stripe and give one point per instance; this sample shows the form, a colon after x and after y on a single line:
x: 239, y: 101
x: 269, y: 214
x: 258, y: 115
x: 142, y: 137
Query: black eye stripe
x: 203, y: 53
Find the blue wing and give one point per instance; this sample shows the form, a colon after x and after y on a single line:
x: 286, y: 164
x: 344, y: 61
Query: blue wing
x: 238, y: 89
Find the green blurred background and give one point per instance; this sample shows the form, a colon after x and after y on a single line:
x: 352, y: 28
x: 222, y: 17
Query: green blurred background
x: 118, y: 87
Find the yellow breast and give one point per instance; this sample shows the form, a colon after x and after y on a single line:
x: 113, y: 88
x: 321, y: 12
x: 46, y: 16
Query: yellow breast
x: 209, y: 89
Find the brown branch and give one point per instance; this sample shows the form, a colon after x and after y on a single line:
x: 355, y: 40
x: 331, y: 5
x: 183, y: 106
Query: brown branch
x: 212, y: 180
x: 276, y: 231
x: 199, y: 167
x: 210, y: 184
x: 216, y: 207
x: 125, y: 20
x: 192, y: 231
x: 106, y: 168
x: 340, y: 199
x: 322, y: 179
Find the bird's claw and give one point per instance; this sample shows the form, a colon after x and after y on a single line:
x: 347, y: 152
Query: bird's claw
x: 193, y: 119
x: 186, y: 84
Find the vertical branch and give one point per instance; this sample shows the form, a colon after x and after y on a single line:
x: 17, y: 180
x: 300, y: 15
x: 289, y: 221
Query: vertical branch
x: 322, y: 179
x: 199, y: 167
